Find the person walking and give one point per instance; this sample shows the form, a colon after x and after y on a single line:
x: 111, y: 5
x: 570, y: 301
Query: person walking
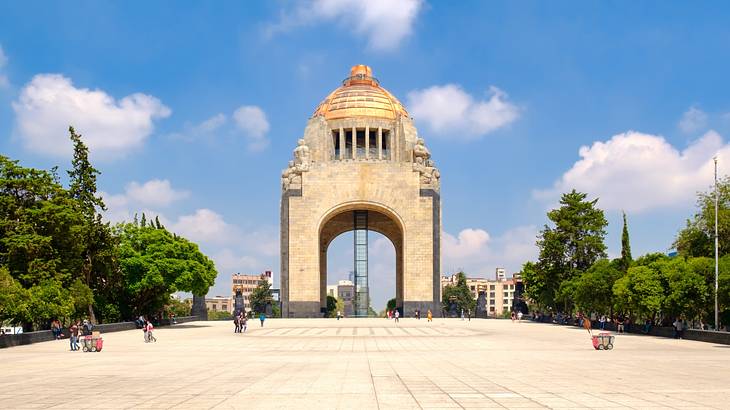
x: 429, y: 316
x: 244, y: 322
x: 262, y: 317
x: 462, y: 314
x: 73, y: 336
x: 602, y: 322
x: 339, y: 314
x: 397, y: 315
x: 512, y: 316
x: 468, y: 313
x: 519, y: 316
x: 150, y: 337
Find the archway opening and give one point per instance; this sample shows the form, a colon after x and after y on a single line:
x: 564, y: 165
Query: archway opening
x: 361, y: 261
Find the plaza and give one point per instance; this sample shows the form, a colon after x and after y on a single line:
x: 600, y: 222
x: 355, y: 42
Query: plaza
x: 368, y: 364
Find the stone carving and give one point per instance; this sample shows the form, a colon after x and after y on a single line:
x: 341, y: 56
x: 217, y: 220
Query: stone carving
x: 424, y: 165
x: 292, y: 176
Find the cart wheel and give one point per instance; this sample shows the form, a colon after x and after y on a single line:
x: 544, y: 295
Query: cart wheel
x: 601, y: 347
x: 93, y: 348
x: 609, y: 347
x: 85, y: 349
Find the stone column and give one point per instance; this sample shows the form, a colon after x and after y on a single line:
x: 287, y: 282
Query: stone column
x: 342, y: 143
x: 367, y: 142
x: 354, y: 143
x: 380, y: 142
x: 199, y: 308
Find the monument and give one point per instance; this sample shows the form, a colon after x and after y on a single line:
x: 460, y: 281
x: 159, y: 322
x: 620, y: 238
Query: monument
x: 360, y: 166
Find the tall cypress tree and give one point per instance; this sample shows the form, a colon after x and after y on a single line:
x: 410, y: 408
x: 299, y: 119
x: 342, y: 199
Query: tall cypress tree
x: 96, y: 235
x: 625, y: 247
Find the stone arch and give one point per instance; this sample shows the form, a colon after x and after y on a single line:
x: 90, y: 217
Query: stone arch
x: 381, y: 219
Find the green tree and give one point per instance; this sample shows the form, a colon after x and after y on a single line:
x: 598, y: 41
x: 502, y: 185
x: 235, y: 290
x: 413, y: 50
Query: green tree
x: 260, y: 296
x: 686, y: 292
x: 464, y: 298
x: 97, y: 268
x: 697, y: 237
x: 390, y: 305
x: 568, y: 248
x: 640, y: 292
x: 156, y: 263
x: 625, y: 247
x: 331, y: 306
x: 593, y: 290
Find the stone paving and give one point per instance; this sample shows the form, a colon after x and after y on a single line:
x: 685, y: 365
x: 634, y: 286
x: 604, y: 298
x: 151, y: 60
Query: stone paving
x: 368, y: 363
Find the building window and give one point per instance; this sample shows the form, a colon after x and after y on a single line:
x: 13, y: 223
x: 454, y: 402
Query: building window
x: 491, y: 308
x: 491, y: 287
x: 491, y: 302
x: 491, y: 295
x: 224, y: 307
x: 506, y: 294
x: 505, y: 302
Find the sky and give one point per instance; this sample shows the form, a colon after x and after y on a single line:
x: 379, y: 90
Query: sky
x: 192, y: 109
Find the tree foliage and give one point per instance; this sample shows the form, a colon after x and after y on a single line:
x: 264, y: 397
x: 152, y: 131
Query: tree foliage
x: 567, y: 248
x: 460, y: 290
x: 261, y: 296
x: 697, y: 237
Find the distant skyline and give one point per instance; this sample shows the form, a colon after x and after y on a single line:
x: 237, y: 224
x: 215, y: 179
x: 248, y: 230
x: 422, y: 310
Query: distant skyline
x: 192, y: 112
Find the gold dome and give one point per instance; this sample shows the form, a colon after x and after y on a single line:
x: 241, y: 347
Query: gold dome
x: 360, y: 96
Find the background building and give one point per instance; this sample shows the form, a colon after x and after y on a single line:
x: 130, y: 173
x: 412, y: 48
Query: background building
x: 242, y: 286
x: 500, y: 292
x: 219, y: 304
x: 344, y: 290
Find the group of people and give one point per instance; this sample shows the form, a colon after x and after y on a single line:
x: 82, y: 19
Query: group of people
x: 517, y: 316
x: 148, y: 329
x: 241, y: 323
x: 394, y: 314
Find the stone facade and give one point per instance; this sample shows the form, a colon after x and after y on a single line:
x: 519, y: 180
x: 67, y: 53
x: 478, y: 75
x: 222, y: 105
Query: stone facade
x: 369, y: 158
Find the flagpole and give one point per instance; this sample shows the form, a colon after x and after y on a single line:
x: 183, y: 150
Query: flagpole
x: 717, y: 313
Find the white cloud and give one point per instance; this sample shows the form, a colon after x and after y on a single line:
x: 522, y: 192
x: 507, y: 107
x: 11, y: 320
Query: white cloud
x: 251, y: 120
x: 451, y: 112
x: 693, y: 120
x: 204, y: 225
x: 637, y: 172
x: 385, y: 23
x: 211, y: 124
x: 155, y: 192
x: 49, y: 103
x: 475, y: 251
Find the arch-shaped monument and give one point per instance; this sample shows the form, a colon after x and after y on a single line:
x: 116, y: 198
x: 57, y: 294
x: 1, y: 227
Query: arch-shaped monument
x: 360, y: 166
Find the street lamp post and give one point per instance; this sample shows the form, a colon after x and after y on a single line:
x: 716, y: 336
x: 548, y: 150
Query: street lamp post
x: 717, y: 314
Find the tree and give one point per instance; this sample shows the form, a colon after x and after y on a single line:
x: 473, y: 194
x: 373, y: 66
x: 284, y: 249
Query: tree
x: 95, y: 235
x: 686, y: 292
x: 697, y: 237
x: 625, y: 247
x: 569, y: 247
x: 156, y: 263
x: 261, y: 296
x: 639, y: 292
x: 331, y: 306
x: 390, y: 305
x: 460, y: 291
x: 593, y: 290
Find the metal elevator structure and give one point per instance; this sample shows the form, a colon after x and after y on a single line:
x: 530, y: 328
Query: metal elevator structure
x: 362, y: 290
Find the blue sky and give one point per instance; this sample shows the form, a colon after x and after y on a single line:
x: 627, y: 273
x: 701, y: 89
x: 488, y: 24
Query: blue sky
x: 192, y: 110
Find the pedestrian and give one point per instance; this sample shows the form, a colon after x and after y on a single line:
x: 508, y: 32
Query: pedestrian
x: 237, y: 323
x: 73, y: 336
x: 150, y: 336
x: 390, y: 314
x: 338, y: 315
x: 468, y: 313
x: 602, y: 322
x: 244, y: 322
x: 56, y: 329
x: 620, y: 325
x: 144, y: 330
x: 418, y: 314
x: 397, y: 315
x: 513, y: 316
x: 462, y: 314
x: 262, y: 317
x: 429, y: 316
x: 519, y: 316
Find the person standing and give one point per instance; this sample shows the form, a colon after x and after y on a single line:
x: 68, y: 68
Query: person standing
x: 237, y: 323
x: 462, y: 314
x: 262, y: 317
x: 602, y: 322
x: 73, y: 336
x: 468, y: 313
x: 338, y: 315
x: 244, y: 322
x: 150, y: 337
x: 519, y: 316
x: 429, y: 316
x: 397, y: 315
x: 512, y: 316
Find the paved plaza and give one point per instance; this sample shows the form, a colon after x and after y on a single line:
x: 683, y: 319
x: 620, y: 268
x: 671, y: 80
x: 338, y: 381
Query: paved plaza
x: 368, y: 363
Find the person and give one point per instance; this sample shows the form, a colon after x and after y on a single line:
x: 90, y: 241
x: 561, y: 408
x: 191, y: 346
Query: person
x: 462, y: 314
x: 468, y: 313
x: 587, y: 326
x: 56, y: 329
x: 397, y: 315
x: 244, y: 322
x: 418, y: 314
x: 513, y: 316
x: 390, y: 314
x: 237, y: 323
x: 172, y: 318
x: 429, y: 316
x: 620, y: 325
x: 602, y: 322
x: 150, y: 337
x: 519, y: 316
x: 262, y: 317
x: 647, y: 326
x: 86, y: 328
x: 73, y: 337
x: 338, y: 315
x: 2, y: 332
